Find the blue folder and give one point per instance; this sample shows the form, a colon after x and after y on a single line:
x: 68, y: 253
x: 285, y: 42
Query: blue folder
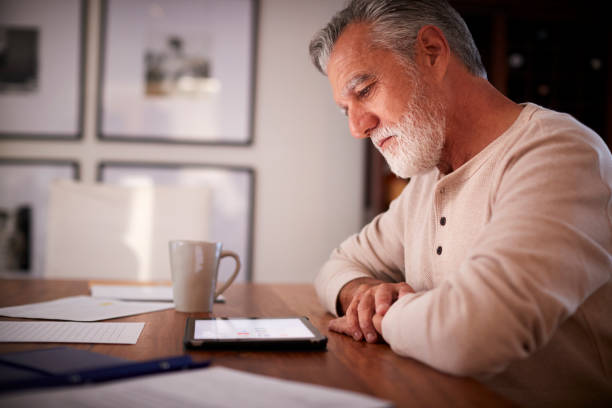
x: 67, y: 366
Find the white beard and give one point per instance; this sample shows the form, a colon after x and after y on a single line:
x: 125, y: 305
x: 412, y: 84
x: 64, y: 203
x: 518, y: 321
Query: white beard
x: 418, y: 137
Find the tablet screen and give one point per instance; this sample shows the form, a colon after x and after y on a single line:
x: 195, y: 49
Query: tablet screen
x: 251, y: 329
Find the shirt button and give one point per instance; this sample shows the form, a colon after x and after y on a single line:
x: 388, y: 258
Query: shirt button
x: 443, y: 221
x: 439, y: 250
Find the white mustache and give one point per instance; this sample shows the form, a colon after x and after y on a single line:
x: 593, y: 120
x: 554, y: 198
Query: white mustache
x: 382, y: 133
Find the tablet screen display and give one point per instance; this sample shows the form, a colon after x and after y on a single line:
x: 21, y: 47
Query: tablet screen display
x: 291, y: 328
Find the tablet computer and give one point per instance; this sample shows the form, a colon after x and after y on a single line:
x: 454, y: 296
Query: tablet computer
x: 253, y: 332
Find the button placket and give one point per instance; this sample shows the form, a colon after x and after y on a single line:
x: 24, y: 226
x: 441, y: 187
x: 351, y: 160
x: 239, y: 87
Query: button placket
x: 440, y: 207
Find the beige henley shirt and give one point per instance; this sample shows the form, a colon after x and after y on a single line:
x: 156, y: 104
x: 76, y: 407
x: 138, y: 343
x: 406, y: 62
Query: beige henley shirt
x: 510, y: 256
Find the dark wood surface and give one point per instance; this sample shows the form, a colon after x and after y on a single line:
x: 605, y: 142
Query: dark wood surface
x: 366, y: 368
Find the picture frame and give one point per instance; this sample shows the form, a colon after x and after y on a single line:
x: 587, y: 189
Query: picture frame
x: 42, y: 69
x: 24, y: 200
x: 233, y: 196
x: 177, y: 71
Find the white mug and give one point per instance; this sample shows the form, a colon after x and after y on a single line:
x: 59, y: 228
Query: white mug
x: 194, y: 266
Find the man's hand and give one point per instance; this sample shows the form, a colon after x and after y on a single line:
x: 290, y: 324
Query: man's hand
x: 368, y: 300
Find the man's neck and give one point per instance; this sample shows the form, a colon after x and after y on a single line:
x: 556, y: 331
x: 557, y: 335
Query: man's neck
x: 478, y: 114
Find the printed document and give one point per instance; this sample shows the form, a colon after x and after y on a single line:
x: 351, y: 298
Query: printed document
x: 82, y: 309
x: 208, y: 387
x: 70, y: 332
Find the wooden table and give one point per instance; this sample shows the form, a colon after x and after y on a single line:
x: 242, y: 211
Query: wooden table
x: 366, y: 368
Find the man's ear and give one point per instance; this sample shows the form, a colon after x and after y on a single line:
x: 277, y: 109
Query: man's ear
x: 432, y: 51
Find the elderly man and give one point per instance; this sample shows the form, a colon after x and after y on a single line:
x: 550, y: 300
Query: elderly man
x: 495, y: 261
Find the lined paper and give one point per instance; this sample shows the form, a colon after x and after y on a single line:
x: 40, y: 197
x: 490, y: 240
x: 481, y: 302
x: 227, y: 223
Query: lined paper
x: 70, y: 332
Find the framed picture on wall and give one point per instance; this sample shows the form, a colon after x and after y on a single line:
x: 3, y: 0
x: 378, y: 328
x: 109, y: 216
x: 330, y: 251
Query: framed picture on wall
x: 177, y: 71
x: 231, y: 191
x: 41, y: 68
x: 24, y: 199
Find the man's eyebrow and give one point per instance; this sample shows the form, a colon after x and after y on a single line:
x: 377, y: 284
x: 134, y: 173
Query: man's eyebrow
x: 353, y: 82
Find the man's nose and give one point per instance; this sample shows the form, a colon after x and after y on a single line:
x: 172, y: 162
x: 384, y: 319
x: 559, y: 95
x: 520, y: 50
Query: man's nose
x: 361, y: 123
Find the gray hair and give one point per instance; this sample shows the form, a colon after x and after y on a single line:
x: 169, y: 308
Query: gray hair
x: 395, y: 25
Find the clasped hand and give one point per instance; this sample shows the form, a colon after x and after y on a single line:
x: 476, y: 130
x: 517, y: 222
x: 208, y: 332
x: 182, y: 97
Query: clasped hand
x: 369, y: 301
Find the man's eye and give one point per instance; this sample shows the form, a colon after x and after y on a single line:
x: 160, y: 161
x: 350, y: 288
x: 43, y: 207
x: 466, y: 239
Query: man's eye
x: 344, y: 111
x: 365, y: 91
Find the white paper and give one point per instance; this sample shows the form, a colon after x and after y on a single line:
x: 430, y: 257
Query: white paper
x: 70, y: 332
x: 210, y: 387
x: 82, y: 309
x: 133, y: 292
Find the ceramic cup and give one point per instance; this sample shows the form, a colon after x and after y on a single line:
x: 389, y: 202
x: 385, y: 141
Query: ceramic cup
x: 194, y: 266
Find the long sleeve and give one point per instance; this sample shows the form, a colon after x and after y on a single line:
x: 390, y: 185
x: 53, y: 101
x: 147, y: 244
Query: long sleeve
x: 377, y: 252
x: 544, y: 247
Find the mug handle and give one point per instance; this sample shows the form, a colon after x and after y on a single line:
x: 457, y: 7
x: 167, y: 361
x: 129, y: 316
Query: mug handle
x: 231, y: 278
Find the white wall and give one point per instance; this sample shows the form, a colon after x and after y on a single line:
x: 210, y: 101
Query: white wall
x: 309, y: 171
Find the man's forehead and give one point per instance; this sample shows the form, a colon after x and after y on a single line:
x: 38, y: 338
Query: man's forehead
x: 351, y: 45
x: 355, y: 35
x: 350, y: 62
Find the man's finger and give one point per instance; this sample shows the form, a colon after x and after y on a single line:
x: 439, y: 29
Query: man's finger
x: 377, y: 322
x: 404, y: 290
x: 383, y: 298
x: 339, y: 326
x: 352, y: 320
x: 365, y: 311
